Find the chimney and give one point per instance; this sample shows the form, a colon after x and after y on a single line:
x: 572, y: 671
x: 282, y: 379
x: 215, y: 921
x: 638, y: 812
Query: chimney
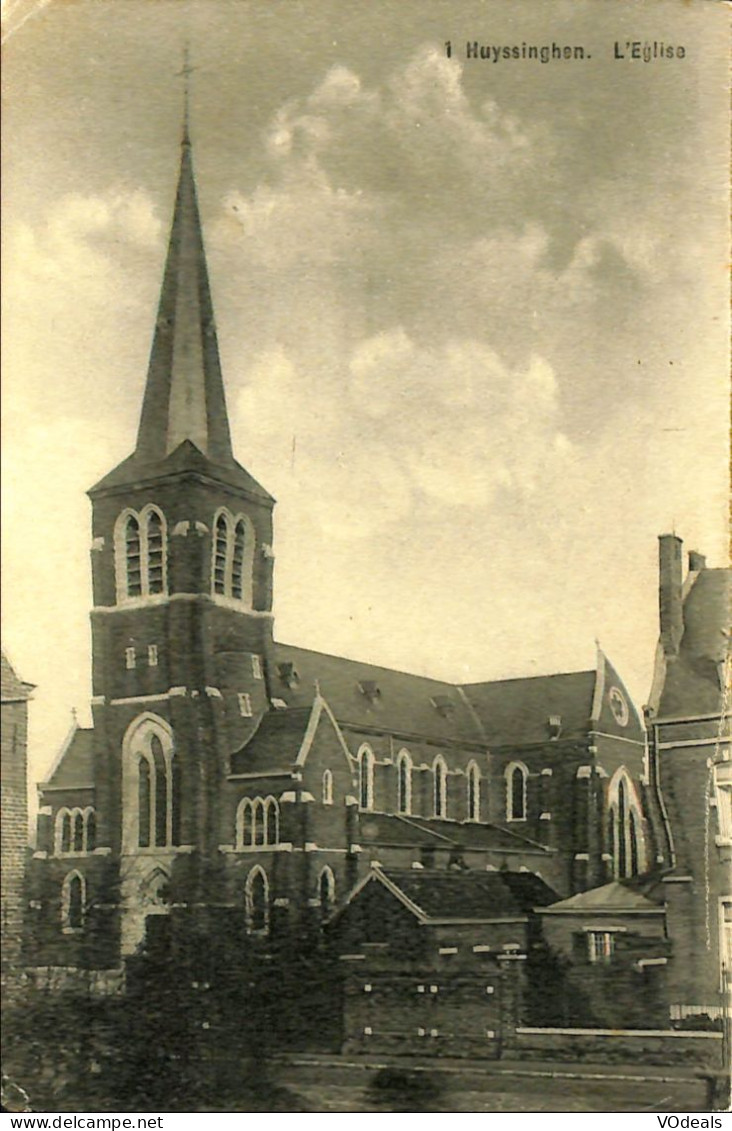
x: 669, y: 592
x: 697, y: 561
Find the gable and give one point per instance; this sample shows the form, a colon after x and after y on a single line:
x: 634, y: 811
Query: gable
x: 74, y: 765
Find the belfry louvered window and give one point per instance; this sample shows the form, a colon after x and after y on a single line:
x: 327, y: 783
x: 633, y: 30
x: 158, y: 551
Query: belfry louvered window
x: 133, y: 551
x: 233, y: 557
x: 154, y: 552
x: 140, y: 554
x: 237, y: 565
x: 221, y: 546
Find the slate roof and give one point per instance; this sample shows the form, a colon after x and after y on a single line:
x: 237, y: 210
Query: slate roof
x: 434, y: 831
x: 275, y: 744
x: 468, y: 895
x: 403, y: 705
x: 514, y: 712
x: 186, y: 457
x: 12, y: 688
x: 75, y: 764
x: 692, y: 683
x: 615, y: 896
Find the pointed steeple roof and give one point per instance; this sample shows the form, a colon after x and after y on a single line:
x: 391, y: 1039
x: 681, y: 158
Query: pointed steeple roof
x: 184, y: 397
x: 184, y: 425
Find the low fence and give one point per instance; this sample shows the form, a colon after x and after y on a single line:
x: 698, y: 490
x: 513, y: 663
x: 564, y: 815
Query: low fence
x: 642, y: 1046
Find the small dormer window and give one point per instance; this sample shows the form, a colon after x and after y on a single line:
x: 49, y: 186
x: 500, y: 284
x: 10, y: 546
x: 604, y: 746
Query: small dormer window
x: 555, y: 727
x: 130, y: 658
x: 370, y: 689
x: 256, y: 667
x: 288, y: 674
x: 152, y: 655
x: 443, y: 704
x: 245, y: 705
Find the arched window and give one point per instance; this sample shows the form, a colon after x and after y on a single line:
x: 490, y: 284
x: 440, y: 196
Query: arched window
x: 327, y: 787
x: 90, y: 838
x: 62, y: 832
x: 516, y: 778
x: 133, y: 558
x: 73, y: 902
x: 366, y: 778
x: 404, y: 782
x: 271, y: 821
x: 154, y: 890
x: 439, y: 770
x: 237, y: 565
x: 221, y: 546
x: 257, y: 901
x: 233, y: 556
x: 625, y: 826
x: 473, y: 792
x: 140, y: 554
x: 77, y: 840
x: 149, y: 785
x: 244, y: 824
x: 154, y: 552
x: 326, y: 892
x: 258, y: 822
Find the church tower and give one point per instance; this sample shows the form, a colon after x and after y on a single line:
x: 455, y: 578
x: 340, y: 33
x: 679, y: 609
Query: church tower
x: 182, y: 595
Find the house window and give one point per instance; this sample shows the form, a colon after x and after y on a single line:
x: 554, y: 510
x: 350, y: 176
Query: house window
x: 73, y: 902
x: 152, y: 655
x: 245, y: 705
x: 130, y: 658
x: 516, y: 778
x: 256, y: 896
x: 150, y: 786
x: 473, y: 792
x: 600, y: 946
x: 439, y: 800
x: 404, y: 782
x: 366, y: 777
x: 327, y: 787
x: 233, y: 556
x: 326, y: 892
x: 256, y: 667
x: 140, y: 554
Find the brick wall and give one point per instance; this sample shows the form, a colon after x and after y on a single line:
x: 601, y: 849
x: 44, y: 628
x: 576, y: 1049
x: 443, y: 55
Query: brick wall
x: 13, y: 828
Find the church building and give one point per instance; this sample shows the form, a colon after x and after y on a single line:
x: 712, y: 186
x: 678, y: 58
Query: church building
x: 229, y: 773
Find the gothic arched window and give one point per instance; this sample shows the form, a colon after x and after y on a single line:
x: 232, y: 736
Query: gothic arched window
x: 516, y: 779
x: 73, y: 902
x: 326, y: 892
x: 366, y: 778
x: 404, y: 782
x: 150, y: 787
x: 625, y: 826
x: 327, y: 787
x: 473, y: 792
x: 271, y: 821
x: 233, y: 556
x: 140, y: 554
x: 244, y: 824
x: 439, y: 770
x: 257, y: 901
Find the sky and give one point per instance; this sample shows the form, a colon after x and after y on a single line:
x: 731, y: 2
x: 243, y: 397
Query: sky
x: 472, y: 315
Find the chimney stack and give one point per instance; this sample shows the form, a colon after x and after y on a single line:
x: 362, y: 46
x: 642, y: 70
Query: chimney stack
x: 669, y: 592
x: 697, y: 561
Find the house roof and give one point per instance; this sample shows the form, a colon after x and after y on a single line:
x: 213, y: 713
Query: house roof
x: 12, y: 687
x: 437, y: 895
x: 517, y: 711
x: 615, y: 896
x: 693, y: 681
x: 369, y: 696
x: 74, y: 766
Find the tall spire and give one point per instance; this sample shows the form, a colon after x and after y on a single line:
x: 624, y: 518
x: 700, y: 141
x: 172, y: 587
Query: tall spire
x: 184, y: 397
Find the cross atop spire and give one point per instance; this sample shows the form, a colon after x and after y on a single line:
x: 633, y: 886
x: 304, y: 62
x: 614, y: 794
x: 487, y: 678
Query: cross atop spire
x: 184, y: 397
x: 184, y: 73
